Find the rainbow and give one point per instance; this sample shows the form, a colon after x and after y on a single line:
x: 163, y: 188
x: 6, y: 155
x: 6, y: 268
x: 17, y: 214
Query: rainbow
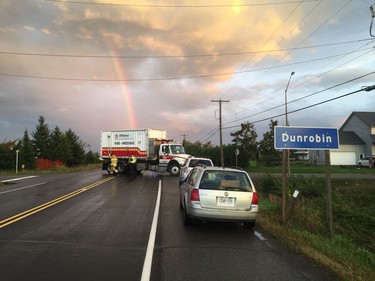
x: 119, y: 70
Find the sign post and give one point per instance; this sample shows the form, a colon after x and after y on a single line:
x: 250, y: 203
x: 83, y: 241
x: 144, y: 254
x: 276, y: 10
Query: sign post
x: 310, y: 139
x: 329, y: 193
x: 237, y: 152
x: 283, y: 191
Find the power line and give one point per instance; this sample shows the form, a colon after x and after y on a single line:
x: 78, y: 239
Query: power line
x: 249, y: 60
x: 179, y: 6
x: 315, y: 30
x: 181, y: 56
x: 214, y: 131
x: 366, y: 88
x: 313, y: 94
x: 284, y: 38
x: 318, y: 92
x: 221, y: 134
x: 173, y: 78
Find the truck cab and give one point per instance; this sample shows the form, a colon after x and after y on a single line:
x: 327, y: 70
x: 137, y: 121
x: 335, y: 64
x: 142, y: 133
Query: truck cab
x: 172, y: 156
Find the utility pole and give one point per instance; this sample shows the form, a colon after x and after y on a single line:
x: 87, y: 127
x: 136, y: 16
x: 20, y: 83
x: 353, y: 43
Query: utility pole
x: 285, y: 159
x: 286, y: 115
x: 372, y: 19
x: 221, y: 131
x: 184, y: 135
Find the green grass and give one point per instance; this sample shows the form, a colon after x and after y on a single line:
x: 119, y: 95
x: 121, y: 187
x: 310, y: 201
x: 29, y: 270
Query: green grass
x: 62, y: 169
x: 302, y: 167
x: 350, y: 252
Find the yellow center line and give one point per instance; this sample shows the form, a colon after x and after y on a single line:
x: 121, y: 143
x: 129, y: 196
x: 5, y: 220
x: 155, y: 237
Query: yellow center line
x: 39, y: 208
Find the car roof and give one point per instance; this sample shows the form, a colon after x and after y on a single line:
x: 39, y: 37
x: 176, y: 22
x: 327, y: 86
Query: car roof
x: 197, y: 158
x: 204, y: 158
x: 217, y: 168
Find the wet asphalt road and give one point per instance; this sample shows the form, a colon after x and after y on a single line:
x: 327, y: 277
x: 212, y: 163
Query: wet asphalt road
x: 97, y: 227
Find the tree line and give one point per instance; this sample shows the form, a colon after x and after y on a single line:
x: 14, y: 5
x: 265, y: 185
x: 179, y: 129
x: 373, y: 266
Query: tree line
x: 45, y: 143
x: 245, y: 141
x: 67, y: 147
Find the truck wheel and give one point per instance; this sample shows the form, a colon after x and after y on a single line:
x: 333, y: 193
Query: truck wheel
x: 121, y: 167
x: 174, y: 170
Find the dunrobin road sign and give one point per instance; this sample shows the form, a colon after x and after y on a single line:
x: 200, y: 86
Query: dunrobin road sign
x: 306, y: 138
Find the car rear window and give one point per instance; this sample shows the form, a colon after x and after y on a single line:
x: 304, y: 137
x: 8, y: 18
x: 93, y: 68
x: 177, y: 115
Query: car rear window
x: 196, y: 162
x: 225, y: 180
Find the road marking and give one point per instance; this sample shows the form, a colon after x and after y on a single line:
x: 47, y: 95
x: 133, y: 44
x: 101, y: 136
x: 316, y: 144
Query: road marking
x: 146, y: 271
x: 259, y: 235
x: 44, y: 206
x: 18, y: 179
x: 16, y: 189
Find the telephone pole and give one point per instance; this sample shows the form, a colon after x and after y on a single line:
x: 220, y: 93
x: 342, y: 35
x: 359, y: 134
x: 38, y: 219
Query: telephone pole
x: 184, y: 141
x: 184, y: 135
x: 221, y: 131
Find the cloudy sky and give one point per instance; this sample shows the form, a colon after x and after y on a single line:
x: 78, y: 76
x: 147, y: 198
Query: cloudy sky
x: 111, y: 64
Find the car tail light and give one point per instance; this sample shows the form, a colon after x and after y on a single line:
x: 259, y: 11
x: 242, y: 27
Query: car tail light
x: 194, y: 196
x: 254, y: 201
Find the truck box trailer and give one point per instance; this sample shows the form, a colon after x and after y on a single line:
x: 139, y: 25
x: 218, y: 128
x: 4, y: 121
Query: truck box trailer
x: 154, y: 151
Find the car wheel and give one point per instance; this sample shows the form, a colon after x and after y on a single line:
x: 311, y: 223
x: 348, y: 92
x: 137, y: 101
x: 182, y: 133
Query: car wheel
x: 249, y: 225
x: 359, y: 165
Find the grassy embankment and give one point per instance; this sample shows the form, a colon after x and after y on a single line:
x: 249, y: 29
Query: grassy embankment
x: 350, y: 252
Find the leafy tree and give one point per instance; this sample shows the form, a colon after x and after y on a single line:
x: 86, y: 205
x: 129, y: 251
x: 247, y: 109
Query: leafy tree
x: 41, y: 139
x: 27, y: 152
x: 53, y: 145
x: 266, y: 146
x: 76, y: 147
x: 229, y: 155
x: 245, y: 140
x: 8, y: 155
x: 213, y: 152
x: 197, y: 149
x: 207, y: 150
x: 91, y: 158
x: 59, y: 146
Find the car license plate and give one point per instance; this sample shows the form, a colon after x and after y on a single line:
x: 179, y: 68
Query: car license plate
x: 226, y: 201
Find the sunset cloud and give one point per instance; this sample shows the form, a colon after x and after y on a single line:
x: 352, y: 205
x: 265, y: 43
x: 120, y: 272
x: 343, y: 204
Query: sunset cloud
x: 159, y: 64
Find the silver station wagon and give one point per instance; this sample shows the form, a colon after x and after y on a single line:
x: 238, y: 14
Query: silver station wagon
x: 222, y: 194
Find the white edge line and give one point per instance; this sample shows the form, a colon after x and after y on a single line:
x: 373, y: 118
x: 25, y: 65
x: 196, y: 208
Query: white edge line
x: 259, y: 235
x: 22, y: 188
x: 17, y: 179
x: 146, y: 271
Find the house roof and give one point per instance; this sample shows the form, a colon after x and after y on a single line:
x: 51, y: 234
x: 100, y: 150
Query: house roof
x: 367, y: 117
x: 349, y: 137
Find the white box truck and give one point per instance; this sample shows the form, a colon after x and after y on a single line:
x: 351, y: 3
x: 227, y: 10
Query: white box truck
x: 154, y: 151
